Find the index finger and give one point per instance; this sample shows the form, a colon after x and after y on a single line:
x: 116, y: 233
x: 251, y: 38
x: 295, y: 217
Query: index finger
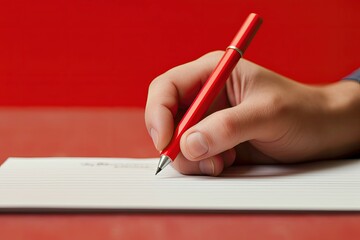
x: 172, y: 91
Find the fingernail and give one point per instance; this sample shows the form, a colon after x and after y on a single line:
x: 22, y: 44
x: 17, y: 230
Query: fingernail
x: 196, y: 145
x: 154, y: 136
x: 207, y: 167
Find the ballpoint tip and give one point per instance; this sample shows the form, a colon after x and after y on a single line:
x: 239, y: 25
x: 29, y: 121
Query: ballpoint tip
x: 164, y: 161
x: 158, y: 170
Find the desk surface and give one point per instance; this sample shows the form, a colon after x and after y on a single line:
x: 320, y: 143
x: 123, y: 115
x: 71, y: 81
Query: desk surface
x: 115, y: 132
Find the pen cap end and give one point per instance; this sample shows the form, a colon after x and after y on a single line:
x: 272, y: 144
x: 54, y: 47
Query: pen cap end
x: 247, y: 32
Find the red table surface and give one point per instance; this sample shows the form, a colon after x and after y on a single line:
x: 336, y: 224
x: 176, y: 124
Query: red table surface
x: 118, y: 132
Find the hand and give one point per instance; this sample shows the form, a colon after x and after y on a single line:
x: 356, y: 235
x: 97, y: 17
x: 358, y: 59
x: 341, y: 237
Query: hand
x: 259, y: 117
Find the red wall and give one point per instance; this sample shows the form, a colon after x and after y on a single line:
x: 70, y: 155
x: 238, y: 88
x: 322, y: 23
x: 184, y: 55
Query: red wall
x: 106, y: 52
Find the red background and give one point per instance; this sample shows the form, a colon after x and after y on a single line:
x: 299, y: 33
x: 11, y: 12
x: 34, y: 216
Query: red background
x: 106, y: 52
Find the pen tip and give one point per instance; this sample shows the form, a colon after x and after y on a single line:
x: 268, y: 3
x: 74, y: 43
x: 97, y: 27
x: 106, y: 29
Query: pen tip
x: 158, y: 170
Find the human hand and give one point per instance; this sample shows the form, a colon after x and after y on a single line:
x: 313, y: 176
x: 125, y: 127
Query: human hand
x: 259, y: 117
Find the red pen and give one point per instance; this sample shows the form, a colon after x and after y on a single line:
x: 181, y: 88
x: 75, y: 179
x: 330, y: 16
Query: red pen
x: 212, y: 87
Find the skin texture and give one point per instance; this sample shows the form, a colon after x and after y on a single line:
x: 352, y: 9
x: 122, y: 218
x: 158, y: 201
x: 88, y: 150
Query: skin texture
x: 259, y: 117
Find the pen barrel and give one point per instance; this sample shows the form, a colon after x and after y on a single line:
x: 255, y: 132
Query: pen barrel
x: 215, y: 83
x: 203, y: 100
x: 246, y: 33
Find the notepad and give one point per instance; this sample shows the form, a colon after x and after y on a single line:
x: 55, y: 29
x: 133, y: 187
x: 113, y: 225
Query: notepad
x: 113, y: 184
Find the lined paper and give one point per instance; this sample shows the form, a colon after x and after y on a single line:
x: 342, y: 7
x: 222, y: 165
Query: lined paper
x: 130, y: 184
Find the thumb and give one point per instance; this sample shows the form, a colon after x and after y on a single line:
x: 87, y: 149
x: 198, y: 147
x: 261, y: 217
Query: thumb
x: 222, y: 131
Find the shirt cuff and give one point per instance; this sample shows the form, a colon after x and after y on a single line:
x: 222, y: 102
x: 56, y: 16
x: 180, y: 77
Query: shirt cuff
x: 355, y: 76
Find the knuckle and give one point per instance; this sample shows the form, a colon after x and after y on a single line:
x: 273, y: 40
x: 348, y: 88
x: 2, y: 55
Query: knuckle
x: 277, y: 106
x: 154, y: 83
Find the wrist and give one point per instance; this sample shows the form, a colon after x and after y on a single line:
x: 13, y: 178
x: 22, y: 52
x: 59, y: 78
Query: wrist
x: 341, y: 118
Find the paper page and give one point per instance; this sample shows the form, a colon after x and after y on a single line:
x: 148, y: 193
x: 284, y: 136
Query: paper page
x: 130, y: 184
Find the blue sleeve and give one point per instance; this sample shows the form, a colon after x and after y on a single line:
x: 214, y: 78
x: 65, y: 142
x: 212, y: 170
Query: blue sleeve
x: 355, y: 76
